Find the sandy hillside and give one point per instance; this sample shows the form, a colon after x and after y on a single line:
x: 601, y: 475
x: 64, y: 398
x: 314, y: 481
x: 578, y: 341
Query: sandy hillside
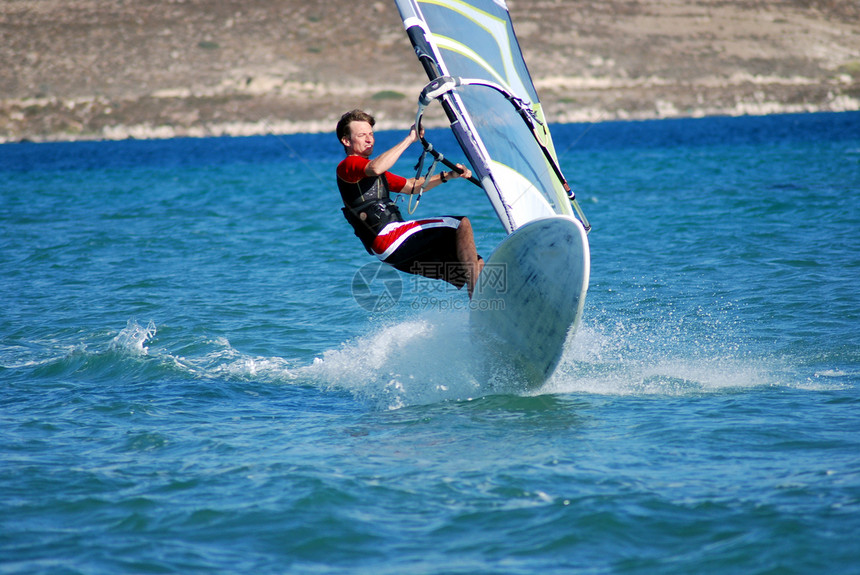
x: 73, y: 69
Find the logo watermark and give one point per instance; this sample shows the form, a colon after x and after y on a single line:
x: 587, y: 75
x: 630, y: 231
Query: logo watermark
x: 453, y: 303
x: 378, y: 287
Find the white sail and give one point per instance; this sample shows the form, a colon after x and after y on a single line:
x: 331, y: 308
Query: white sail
x: 495, y: 113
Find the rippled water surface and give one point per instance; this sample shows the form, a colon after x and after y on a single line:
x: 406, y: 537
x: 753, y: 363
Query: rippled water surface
x: 187, y: 384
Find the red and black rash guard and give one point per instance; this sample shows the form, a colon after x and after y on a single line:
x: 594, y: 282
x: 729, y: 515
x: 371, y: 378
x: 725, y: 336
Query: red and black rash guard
x: 368, y: 205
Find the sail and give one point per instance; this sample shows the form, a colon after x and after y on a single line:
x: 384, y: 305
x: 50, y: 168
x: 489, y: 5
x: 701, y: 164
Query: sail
x: 469, y: 46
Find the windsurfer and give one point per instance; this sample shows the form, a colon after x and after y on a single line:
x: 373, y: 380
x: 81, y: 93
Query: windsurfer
x: 437, y: 248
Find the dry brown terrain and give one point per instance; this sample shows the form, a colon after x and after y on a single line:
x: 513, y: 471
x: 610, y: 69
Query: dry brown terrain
x: 76, y: 69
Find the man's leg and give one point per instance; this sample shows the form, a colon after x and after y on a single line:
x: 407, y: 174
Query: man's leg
x: 468, y: 254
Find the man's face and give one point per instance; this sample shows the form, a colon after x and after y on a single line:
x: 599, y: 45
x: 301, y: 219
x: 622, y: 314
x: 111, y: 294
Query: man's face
x: 360, y: 140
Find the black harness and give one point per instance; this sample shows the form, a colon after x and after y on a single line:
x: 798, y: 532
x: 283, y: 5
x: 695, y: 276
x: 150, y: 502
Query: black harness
x: 369, y: 197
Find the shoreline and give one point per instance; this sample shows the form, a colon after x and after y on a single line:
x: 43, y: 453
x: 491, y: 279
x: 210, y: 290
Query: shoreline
x: 241, y: 130
x: 662, y: 110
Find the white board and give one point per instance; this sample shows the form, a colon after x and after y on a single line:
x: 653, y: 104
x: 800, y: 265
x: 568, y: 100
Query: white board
x: 530, y: 295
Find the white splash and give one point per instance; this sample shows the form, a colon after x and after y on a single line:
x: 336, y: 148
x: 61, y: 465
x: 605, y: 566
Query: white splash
x: 417, y: 361
x: 133, y: 337
x: 642, y: 362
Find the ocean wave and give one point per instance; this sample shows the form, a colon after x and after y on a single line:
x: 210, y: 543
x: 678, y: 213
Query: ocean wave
x: 431, y: 358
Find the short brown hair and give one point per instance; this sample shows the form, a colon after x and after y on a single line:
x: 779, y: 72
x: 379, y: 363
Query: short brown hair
x: 352, y: 116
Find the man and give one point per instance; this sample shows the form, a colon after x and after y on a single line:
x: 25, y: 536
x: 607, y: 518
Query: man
x: 437, y: 248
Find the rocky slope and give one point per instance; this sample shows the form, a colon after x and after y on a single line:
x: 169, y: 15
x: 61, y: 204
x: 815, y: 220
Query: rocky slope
x: 95, y: 69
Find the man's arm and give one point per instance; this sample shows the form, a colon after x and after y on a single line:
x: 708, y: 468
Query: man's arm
x: 413, y: 183
x: 386, y: 160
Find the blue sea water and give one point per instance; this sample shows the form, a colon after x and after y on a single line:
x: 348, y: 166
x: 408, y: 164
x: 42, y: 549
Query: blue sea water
x: 189, y: 384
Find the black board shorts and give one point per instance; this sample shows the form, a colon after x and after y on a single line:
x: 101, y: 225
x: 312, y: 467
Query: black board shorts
x: 426, y: 247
